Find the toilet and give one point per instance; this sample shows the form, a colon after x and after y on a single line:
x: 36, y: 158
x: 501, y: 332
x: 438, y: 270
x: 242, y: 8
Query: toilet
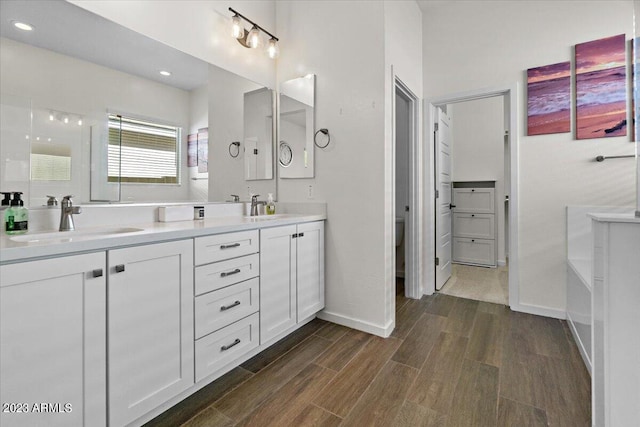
x: 399, y: 247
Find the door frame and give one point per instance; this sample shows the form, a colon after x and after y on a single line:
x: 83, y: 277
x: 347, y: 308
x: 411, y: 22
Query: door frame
x: 412, y: 230
x: 510, y: 96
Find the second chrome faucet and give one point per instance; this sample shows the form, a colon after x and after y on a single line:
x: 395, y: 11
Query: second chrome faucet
x: 66, y: 214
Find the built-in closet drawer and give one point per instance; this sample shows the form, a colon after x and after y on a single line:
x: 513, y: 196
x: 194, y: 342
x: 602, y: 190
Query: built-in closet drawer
x: 216, y: 350
x: 217, y: 309
x: 221, y: 274
x: 474, y: 251
x: 478, y: 200
x: 225, y: 246
x: 474, y: 225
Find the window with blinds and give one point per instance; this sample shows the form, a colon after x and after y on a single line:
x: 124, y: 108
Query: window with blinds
x: 142, y: 152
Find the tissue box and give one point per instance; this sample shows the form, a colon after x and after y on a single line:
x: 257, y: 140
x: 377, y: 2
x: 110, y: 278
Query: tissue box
x: 175, y: 213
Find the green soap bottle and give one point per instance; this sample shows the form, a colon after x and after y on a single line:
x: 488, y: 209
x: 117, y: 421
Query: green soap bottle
x: 16, y: 217
x: 271, y: 206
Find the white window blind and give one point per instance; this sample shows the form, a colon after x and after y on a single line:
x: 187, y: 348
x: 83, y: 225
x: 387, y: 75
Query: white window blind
x: 46, y: 167
x: 142, y: 151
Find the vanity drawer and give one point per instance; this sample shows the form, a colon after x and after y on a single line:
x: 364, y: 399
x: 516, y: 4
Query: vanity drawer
x: 216, y: 350
x: 225, y: 246
x: 224, y: 273
x: 220, y: 308
x: 474, y: 251
x: 479, y: 200
x: 474, y: 225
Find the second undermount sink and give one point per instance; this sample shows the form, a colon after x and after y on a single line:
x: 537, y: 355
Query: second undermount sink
x: 266, y: 217
x: 68, y: 236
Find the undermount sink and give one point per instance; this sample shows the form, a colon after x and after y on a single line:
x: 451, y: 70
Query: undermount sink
x: 68, y: 236
x: 266, y: 217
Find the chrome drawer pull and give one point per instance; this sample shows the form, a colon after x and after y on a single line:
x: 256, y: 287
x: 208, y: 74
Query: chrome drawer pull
x: 229, y: 273
x: 233, y: 344
x: 227, y: 307
x: 235, y: 245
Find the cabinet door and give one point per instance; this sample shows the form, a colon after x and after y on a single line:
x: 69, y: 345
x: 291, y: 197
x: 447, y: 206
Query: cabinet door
x: 150, y: 343
x: 310, y: 268
x: 277, y: 281
x: 52, y: 341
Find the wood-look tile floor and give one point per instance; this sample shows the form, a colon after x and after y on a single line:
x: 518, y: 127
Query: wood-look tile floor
x: 449, y: 362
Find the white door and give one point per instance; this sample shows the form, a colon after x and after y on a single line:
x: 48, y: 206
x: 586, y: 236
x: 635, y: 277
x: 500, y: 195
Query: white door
x: 150, y: 334
x: 310, y: 268
x: 52, y: 342
x: 443, y: 200
x: 277, y: 281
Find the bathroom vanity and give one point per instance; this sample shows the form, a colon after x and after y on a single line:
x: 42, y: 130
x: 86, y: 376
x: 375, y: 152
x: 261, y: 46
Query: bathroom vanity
x: 156, y: 311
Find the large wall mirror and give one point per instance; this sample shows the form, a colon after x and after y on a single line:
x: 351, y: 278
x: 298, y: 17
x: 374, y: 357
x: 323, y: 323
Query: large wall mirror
x: 86, y: 111
x: 296, y: 127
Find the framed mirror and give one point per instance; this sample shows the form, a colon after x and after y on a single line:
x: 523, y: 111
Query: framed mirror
x: 114, y: 71
x: 296, y: 128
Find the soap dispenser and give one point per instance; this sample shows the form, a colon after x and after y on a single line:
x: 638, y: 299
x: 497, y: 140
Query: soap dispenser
x: 6, y: 201
x: 16, y: 218
x: 271, y: 206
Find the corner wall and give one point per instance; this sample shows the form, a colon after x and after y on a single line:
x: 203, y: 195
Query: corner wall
x: 474, y: 45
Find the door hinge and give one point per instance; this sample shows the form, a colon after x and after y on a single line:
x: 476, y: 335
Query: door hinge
x: 437, y: 261
x: 437, y: 194
x: 436, y: 127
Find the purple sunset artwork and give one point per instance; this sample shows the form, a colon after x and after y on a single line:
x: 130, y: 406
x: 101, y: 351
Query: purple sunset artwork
x: 549, y: 99
x: 601, y: 88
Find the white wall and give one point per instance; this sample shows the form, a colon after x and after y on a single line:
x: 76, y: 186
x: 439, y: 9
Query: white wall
x: 198, y: 119
x: 478, y: 151
x: 62, y: 83
x: 200, y: 28
x: 226, y: 174
x: 473, y: 45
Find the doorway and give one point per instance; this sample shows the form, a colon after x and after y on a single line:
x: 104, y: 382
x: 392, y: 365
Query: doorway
x: 406, y: 200
x: 506, y: 196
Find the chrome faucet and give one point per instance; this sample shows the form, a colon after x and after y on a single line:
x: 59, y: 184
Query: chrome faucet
x: 66, y: 214
x: 255, y: 203
x: 236, y: 198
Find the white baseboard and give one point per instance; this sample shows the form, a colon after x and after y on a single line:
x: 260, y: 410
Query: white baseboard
x: 502, y: 262
x: 539, y: 311
x: 580, y: 345
x: 350, y: 322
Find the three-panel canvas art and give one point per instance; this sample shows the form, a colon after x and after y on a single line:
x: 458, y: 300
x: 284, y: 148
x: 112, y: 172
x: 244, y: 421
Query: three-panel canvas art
x: 601, y: 92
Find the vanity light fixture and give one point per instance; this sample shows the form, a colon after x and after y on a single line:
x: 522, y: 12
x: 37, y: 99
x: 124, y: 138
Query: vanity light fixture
x: 64, y: 117
x: 22, y: 26
x: 251, y: 39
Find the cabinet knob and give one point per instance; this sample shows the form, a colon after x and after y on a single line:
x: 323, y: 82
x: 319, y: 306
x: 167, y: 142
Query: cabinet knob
x: 473, y: 189
x: 472, y: 240
x: 97, y: 272
x: 119, y: 268
x: 472, y: 215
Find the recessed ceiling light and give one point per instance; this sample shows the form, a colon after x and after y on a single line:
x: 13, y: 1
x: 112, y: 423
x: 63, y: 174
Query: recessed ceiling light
x: 165, y: 73
x: 22, y: 26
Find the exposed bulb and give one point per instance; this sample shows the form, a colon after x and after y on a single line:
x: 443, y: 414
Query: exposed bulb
x: 66, y: 120
x: 50, y: 116
x: 79, y: 122
x: 272, y: 48
x: 237, y: 30
x: 253, y: 38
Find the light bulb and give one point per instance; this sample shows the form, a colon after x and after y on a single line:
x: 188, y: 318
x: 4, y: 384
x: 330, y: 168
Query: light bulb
x: 165, y: 73
x: 51, y: 116
x: 23, y: 26
x: 37, y: 138
x: 66, y: 120
x: 253, y: 38
x: 237, y: 30
x: 272, y: 48
x: 79, y: 122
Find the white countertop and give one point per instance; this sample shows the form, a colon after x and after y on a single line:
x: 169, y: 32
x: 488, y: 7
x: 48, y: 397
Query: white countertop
x: 75, y: 241
x: 615, y: 217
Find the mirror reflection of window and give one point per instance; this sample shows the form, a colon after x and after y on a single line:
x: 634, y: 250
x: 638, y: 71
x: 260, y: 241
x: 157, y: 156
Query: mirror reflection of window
x: 141, y: 151
x: 50, y: 162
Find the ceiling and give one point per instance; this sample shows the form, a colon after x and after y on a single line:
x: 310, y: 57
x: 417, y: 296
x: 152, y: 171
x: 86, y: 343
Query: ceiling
x: 73, y: 31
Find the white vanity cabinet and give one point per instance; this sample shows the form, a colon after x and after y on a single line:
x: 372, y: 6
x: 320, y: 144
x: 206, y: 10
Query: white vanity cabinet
x: 226, y: 300
x: 53, y: 342
x: 474, y: 223
x: 151, y: 328
x: 291, y: 276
